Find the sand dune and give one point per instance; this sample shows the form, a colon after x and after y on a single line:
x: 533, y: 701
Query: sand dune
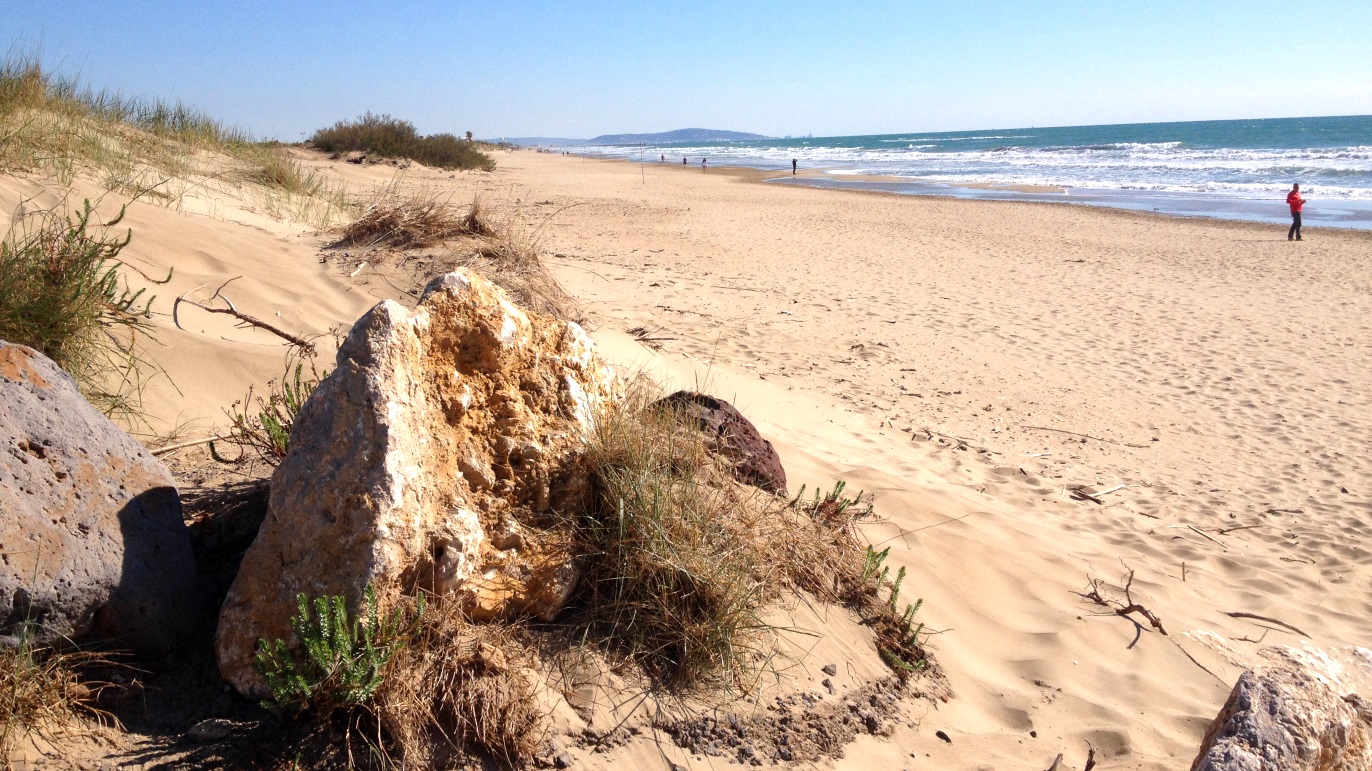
x: 970, y: 363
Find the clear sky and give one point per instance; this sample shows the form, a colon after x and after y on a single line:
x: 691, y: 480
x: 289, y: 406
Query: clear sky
x: 513, y: 68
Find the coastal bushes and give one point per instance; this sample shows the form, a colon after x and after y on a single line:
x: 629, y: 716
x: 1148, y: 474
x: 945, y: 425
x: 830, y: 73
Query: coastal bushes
x: 391, y: 137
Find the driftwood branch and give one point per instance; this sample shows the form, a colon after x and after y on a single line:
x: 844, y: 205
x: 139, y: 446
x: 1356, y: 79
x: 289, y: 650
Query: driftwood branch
x: 184, y: 445
x: 1256, y: 617
x: 243, y: 318
x: 1097, y: 595
x: 1085, y: 436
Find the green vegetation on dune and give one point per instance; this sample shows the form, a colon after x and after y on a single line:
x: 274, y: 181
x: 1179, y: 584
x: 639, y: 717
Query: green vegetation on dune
x: 61, y: 294
x: 395, y: 138
x: 148, y: 148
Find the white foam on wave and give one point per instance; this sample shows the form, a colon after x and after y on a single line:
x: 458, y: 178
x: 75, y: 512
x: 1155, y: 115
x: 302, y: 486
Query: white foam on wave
x: 1344, y: 172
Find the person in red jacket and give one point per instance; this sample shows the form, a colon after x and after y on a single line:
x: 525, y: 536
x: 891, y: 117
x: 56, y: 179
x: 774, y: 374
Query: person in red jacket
x: 1294, y: 200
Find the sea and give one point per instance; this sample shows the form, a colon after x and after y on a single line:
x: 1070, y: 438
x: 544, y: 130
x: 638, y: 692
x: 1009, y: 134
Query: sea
x: 1233, y: 169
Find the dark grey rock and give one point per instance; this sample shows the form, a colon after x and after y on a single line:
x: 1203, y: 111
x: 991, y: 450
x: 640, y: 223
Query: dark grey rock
x: 755, y: 462
x: 829, y: 669
x: 93, y: 542
x: 563, y: 760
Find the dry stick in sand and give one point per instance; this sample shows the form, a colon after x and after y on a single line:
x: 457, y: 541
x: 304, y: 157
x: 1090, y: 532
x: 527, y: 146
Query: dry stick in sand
x: 1123, y: 608
x: 184, y: 445
x: 1087, y: 436
x: 1256, y: 617
x: 1201, y: 533
x: 233, y: 311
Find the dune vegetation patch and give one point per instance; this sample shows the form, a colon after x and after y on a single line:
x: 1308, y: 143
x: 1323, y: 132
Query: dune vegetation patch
x: 150, y: 149
x: 62, y: 294
x: 401, y: 227
x: 388, y: 137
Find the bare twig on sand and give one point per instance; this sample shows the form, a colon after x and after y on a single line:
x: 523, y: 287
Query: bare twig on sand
x: 1090, y: 758
x: 1096, y: 595
x: 1085, y: 436
x: 1256, y: 617
x: 184, y: 445
x: 243, y: 318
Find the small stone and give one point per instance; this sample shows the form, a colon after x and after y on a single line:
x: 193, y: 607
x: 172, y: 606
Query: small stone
x: 828, y: 684
x: 212, y: 730
x: 563, y: 760
x: 829, y: 669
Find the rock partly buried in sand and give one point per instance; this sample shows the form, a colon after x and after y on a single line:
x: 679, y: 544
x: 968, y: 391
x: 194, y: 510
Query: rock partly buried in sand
x: 428, y: 459
x: 90, y: 523
x: 754, y: 461
x: 1297, y: 712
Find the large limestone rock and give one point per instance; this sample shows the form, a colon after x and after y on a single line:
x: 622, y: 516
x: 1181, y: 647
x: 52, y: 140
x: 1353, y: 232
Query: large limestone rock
x: 433, y: 457
x: 91, y: 538
x: 1296, y: 712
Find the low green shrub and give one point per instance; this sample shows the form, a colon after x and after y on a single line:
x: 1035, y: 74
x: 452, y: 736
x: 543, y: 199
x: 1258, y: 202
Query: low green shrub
x: 267, y: 434
x: 342, y: 659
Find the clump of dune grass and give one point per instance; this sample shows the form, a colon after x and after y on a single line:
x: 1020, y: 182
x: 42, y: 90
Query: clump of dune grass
x: 681, y: 561
x: 390, y: 137
x: 677, y: 567
x: 460, y: 686
x: 411, y: 220
x: 146, y: 147
x: 47, y: 691
x: 502, y: 248
x: 62, y: 293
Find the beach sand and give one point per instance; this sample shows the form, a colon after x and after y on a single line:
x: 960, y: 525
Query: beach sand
x: 968, y: 362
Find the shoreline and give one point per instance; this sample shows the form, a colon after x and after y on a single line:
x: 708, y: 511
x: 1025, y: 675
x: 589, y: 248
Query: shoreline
x: 756, y: 175
x: 1337, y: 214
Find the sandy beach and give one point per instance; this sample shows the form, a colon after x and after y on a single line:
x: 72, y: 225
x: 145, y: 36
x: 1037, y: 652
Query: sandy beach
x: 1038, y: 395
x: 972, y: 362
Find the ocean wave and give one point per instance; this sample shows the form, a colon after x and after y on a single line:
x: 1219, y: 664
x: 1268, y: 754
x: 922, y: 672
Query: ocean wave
x: 1343, y: 171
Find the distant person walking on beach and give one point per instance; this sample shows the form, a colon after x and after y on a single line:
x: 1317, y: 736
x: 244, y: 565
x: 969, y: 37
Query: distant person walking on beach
x: 793, y: 166
x: 1294, y: 200
x: 683, y: 160
x: 704, y: 162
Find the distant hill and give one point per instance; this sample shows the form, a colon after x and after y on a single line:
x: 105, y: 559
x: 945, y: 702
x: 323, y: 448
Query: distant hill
x: 680, y: 135
x: 543, y: 141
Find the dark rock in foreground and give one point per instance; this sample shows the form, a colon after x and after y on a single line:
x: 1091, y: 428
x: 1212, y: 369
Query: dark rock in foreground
x: 91, y: 533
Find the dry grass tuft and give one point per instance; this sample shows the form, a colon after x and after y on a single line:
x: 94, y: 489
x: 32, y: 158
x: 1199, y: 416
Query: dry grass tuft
x: 679, y: 565
x: 46, y: 691
x: 499, y: 246
x: 681, y: 561
x: 461, y: 686
x: 409, y: 221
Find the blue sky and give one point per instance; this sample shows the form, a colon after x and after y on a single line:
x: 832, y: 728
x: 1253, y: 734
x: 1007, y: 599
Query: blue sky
x: 576, y: 70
